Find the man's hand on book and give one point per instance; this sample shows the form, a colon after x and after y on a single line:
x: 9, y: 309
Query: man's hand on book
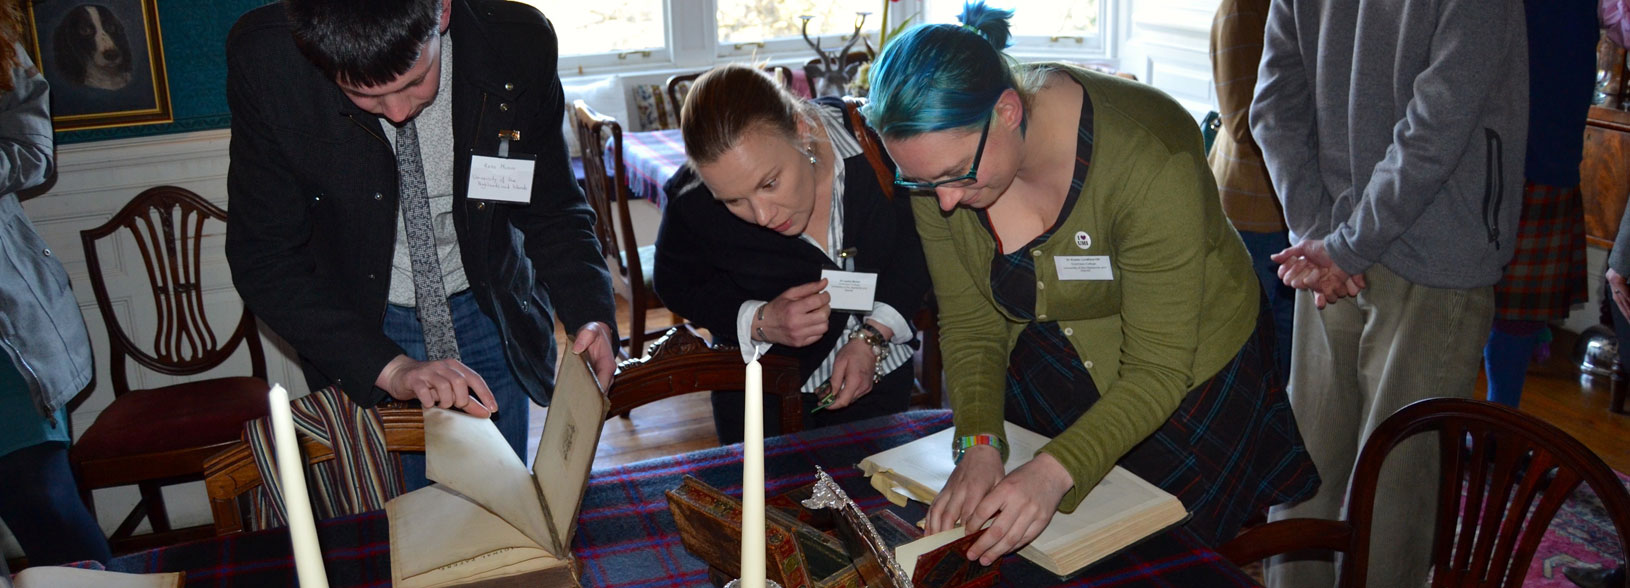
x: 595, y: 342
x: 443, y: 383
x: 1018, y: 508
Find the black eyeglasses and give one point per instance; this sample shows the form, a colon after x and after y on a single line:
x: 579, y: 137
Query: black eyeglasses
x: 956, y: 182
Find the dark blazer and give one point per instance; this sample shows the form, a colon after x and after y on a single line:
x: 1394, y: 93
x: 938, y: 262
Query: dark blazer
x: 708, y: 262
x: 313, y: 197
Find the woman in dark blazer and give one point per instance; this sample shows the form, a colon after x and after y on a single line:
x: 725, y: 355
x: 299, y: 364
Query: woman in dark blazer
x: 777, y: 190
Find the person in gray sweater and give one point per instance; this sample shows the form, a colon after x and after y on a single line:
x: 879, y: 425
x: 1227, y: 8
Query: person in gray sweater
x: 1394, y: 133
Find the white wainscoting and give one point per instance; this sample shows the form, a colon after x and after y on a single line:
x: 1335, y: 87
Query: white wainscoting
x: 94, y: 180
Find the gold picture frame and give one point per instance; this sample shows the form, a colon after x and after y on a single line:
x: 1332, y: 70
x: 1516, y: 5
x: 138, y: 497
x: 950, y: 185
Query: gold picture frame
x: 104, y: 60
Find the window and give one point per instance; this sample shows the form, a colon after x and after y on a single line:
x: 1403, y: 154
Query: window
x: 602, y: 36
x: 749, y: 27
x: 1073, y: 27
x: 608, y: 32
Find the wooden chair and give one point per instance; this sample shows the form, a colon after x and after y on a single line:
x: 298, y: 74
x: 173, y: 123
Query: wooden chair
x: 681, y: 362
x: 1495, y: 500
x: 631, y: 265
x: 928, y: 363
x: 232, y: 473
x: 160, y: 436
x: 677, y: 87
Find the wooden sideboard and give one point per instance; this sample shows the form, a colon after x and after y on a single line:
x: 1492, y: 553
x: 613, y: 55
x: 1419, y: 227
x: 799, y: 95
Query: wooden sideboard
x: 1604, y: 176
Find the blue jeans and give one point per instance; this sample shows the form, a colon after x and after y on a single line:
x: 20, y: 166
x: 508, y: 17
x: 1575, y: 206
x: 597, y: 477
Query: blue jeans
x: 1281, y: 298
x: 481, y: 347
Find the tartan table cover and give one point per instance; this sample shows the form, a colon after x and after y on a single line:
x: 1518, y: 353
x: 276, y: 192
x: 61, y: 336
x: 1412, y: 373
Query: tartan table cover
x: 626, y: 538
x: 651, y: 158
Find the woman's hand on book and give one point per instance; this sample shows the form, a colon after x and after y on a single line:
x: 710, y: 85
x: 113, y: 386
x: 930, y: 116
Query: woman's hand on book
x: 978, y: 471
x: 1018, y: 508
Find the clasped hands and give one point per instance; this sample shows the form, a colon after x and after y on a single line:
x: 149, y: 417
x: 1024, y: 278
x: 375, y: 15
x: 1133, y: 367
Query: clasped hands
x: 1307, y: 266
x: 448, y: 383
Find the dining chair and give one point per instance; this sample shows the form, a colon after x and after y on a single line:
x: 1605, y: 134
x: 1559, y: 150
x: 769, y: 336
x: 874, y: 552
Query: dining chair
x: 1504, y: 476
x: 231, y: 476
x: 682, y: 362
x: 928, y: 363
x: 607, y: 189
x: 678, y: 86
x: 160, y: 436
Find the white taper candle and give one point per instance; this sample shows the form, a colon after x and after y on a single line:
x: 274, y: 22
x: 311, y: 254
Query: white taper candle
x: 308, y: 553
x: 752, y: 481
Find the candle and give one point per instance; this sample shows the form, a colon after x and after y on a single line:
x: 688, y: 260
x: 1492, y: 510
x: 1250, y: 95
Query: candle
x: 308, y: 554
x: 752, y: 481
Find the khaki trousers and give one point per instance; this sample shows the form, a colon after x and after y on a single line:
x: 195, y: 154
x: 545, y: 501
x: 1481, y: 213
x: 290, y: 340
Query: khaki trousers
x: 1352, y: 365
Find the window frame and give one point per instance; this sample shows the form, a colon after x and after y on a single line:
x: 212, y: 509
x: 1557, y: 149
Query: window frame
x: 690, y: 42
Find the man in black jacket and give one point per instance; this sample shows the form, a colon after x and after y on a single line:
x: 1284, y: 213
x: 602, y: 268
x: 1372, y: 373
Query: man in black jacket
x: 398, y: 271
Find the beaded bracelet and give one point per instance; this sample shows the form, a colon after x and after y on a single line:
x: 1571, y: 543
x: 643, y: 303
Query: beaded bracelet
x: 879, y: 346
x: 960, y: 445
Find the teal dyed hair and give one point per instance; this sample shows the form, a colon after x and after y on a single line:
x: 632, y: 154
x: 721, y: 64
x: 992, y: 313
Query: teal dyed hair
x: 943, y: 76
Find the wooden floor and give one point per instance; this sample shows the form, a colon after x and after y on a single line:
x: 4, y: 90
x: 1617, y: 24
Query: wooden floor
x: 1555, y: 392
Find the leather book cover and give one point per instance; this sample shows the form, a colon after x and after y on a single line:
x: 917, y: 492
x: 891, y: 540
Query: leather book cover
x: 709, y: 524
x: 948, y: 565
x: 791, y: 502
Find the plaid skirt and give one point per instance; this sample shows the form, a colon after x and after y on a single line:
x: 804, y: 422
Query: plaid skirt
x: 1230, y: 450
x: 1547, y: 273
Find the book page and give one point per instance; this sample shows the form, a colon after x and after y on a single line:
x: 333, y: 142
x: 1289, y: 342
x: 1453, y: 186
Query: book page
x: 908, y: 553
x: 63, y: 577
x: 469, y: 455
x: 438, y: 535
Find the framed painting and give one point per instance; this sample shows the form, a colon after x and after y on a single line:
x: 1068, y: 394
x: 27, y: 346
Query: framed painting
x: 104, y: 60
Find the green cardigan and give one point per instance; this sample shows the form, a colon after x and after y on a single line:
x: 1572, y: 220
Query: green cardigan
x: 1182, y: 302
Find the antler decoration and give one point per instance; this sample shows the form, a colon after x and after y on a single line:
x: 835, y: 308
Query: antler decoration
x: 829, y: 76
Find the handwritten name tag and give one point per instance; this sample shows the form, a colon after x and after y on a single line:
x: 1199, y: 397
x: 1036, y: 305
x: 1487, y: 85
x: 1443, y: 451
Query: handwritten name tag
x: 1083, y: 267
x: 501, y: 179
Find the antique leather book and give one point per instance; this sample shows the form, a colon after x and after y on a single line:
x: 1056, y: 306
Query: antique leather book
x: 709, y: 523
x: 488, y: 522
x: 1122, y: 510
x: 798, y: 555
x: 890, y: 553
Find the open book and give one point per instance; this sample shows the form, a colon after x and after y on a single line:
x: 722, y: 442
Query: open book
x: 1119, y: 512
x: 65, y: 577
x: 488, y: 521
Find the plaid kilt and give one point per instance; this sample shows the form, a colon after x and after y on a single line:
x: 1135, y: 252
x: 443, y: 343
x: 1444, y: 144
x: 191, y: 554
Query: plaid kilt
x: 1547, y: 273
x: 1231, y: 449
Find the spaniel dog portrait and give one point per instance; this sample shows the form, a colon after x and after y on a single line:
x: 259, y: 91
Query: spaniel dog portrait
x: 92, y: 48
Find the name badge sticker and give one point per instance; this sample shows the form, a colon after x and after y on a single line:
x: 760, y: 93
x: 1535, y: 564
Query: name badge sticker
x: 505, y: 179
x: 1083, y: 267
x: 851, y: 291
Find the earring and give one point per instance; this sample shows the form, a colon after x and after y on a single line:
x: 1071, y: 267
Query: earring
x: 809, y: 152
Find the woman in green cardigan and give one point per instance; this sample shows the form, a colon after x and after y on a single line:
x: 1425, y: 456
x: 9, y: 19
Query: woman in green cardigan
x: 1089, y: 287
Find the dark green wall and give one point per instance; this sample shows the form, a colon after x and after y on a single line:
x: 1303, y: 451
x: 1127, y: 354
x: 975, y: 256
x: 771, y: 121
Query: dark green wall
x: 195, y: 58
